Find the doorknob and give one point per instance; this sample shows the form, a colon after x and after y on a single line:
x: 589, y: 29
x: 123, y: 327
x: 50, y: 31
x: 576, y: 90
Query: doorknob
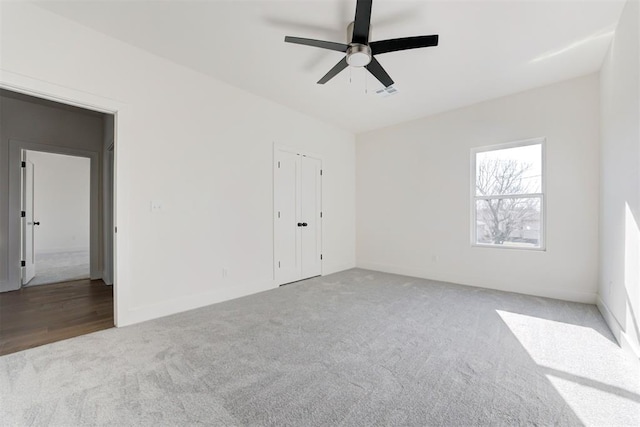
x: 304, y: 224
x: 36, y: 223
x: 299, y: 224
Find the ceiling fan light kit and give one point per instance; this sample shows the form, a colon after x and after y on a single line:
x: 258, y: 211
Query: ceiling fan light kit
x: 358, y: 55
x: 360, y: 52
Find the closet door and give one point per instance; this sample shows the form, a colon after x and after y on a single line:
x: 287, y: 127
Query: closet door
x: 310, y: 211
x: 286, y: 200
x: 297, y: 216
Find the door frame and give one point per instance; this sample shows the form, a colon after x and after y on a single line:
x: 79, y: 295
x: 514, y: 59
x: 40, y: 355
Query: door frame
x: 15, y: 205
x: 122, y: 113
x: 27, y: 226
x: 279, y: 147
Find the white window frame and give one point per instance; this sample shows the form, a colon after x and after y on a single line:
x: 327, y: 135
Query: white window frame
x: 542, y: 141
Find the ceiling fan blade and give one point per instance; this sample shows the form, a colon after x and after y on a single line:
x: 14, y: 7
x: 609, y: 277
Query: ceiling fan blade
x: 340, y: 47
x: 393, y: 45
x: 334, y: 71
x: 379, y: 73
x: 362, y: 22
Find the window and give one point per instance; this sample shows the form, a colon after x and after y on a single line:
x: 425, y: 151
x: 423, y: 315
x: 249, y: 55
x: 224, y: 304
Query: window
x: 508, y: 195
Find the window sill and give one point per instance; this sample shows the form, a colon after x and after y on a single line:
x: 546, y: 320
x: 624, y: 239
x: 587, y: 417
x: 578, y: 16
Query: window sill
x: 518, y: 248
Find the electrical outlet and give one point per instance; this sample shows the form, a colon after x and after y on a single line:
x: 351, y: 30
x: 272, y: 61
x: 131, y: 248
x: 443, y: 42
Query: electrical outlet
x: 155, y: 206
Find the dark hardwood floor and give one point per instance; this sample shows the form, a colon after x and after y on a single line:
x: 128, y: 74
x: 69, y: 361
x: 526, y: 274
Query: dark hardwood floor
x: 43, y: 314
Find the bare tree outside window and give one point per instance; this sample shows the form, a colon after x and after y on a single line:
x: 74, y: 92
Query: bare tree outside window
x: 508, y: 196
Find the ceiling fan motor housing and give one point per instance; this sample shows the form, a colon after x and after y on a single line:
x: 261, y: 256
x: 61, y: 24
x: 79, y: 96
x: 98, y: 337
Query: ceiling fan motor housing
x: 358, y: 55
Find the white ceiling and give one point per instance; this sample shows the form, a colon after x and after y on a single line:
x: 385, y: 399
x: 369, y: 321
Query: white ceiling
x: 487, y: 48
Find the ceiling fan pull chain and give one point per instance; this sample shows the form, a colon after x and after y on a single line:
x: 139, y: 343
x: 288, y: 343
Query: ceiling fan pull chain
x: 366, y: 83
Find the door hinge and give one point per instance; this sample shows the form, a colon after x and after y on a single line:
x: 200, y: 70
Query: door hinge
x: 23, y: 214
x: 320, y: 214
x: 320, y: 256
x: 278, y: 165
x: 115, y: 229
x: 320, y: 171
x: 278, y: 264
x: 23, y: 263
x: 278, y: 214
x: 23, y: 164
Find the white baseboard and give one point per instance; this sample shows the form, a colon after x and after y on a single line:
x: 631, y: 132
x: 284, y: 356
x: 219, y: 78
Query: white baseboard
x: 627, y: 345
x: 337, y: 269
x: 608, y: 316
x: 61, y: 250
x: 7, y: 286
x: 106, y: 278
x: 617, y: 329
x: 190, y: 302
x: 562, y: 294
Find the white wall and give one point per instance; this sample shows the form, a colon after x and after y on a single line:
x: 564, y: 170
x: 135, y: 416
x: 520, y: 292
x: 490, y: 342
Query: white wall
x: 201, y: 148
x: 619, y: 285
x: 413, y: 194
x: 61, y: 202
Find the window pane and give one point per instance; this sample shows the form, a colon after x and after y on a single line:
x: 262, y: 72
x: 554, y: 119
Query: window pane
x: 509, y: 222
x: 515, y: 170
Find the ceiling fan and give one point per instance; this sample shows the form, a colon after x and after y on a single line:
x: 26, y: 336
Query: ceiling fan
x: 359, y: 53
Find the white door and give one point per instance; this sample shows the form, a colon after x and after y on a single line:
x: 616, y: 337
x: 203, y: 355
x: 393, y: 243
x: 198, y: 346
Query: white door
x: 287, y: 206
x: 310, y: 211
x: 297, y: 217
x: 28, y: 223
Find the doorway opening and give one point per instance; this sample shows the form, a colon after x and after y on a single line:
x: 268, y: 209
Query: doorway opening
x: 55, y: 226
x: 56, y: 272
